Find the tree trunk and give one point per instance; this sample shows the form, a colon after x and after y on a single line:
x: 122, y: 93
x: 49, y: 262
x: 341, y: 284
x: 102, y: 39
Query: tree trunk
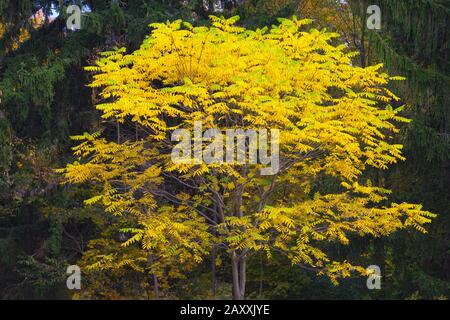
x: 155, y: 278
x: 238, y: 268
x: 261, y: 276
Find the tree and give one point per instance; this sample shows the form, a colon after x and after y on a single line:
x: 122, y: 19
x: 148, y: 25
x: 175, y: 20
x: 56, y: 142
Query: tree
x: 334, y: 119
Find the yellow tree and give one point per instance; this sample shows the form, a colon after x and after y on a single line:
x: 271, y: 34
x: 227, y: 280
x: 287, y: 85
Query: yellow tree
x: 334, y: 121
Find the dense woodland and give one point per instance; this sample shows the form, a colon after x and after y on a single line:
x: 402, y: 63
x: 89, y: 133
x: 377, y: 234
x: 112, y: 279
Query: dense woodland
x: 51, y: 215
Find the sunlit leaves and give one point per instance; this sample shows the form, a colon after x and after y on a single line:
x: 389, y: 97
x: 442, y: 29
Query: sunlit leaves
x: 335, y: 122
